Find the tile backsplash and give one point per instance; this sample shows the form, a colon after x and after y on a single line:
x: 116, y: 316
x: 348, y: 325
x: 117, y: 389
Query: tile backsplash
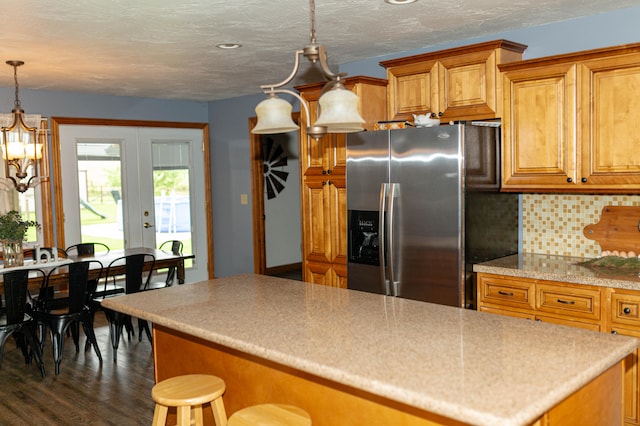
x: 553, y: 223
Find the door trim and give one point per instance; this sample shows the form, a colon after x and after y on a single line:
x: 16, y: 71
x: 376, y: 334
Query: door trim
x: 57, y: 172
x: 257, y: 200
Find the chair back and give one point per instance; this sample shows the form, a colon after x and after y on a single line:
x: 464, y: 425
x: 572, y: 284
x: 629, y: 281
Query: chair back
x: 87, y: 249
x: 77, y: 283
x: 176, y: 246
x: 135, y: 280
x: 15, y: 295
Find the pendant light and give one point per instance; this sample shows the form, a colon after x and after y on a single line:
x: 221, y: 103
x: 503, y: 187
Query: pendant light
x: 338, y: 107
x: 21, y: 150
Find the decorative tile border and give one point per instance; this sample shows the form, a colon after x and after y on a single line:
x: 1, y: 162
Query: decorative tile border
x: 553, y: 223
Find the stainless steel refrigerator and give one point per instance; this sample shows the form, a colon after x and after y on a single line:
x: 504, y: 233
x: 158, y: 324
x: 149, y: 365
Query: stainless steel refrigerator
x: 417, y: 221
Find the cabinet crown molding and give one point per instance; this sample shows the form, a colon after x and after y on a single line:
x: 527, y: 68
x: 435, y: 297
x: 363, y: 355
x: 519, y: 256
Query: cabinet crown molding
x: 489, y: 45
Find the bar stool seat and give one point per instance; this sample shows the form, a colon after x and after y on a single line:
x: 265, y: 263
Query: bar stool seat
x: 189, y: 393
x: 270, y: 415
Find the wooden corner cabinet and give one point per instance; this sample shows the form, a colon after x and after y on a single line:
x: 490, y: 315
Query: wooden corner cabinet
x: 572, y: 122
x: 604, y: 309
x: 454, y: 84
x: 323, y: 196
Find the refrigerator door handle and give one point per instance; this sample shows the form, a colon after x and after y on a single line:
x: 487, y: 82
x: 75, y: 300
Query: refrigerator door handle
x: 382, y: 238
x: 393, y: 194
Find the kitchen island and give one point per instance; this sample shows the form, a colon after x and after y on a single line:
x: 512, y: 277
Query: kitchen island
x: 349, y: 357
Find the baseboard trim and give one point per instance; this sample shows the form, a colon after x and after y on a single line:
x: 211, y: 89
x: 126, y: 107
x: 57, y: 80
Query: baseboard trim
x: 276, y: 270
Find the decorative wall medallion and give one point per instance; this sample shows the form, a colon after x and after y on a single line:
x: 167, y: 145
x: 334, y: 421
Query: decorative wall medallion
x: 275, y: 159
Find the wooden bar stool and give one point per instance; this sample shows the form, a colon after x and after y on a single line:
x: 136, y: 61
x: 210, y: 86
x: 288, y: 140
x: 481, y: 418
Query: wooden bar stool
x: 270, y: 415
x: 188, y: 393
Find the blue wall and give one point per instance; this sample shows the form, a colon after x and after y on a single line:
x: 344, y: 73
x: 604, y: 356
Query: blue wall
x: 231, y: 171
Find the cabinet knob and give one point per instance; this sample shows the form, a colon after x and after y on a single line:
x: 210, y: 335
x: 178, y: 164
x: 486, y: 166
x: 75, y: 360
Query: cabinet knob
x: 614, y: 332
x: 330, y: 183
x: 569, y: 180
x: 627, y: 311
x: 324, y: 172
x: 324, y: 183
x: 329, y: 171
x: 583, y: 180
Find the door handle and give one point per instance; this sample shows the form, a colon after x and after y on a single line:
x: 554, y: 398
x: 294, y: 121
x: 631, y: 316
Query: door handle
x: 147, y: 225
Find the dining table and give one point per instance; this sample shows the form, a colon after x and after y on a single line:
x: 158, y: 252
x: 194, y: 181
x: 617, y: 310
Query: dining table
x: 163, y: 259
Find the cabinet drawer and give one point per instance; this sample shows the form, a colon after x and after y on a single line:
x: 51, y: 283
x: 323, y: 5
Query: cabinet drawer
x: 506, y: 291
x: 595, y: 326
x: 506, y: 312
x: 570, y: 301
x: 625, y: 309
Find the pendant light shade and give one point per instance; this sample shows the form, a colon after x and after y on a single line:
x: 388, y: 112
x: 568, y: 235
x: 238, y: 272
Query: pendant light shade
x: 338, y: 106
x: 274, y: 116
x: 339, y: 111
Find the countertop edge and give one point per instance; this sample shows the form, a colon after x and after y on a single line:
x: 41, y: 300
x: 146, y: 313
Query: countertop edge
x: 513, y: 266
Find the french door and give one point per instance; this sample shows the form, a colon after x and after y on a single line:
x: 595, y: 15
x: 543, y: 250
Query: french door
x: 135, y: 186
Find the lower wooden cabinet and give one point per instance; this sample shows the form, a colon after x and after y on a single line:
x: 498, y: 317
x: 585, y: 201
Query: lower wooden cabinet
x: 574, y: 305
x: 331, y: 274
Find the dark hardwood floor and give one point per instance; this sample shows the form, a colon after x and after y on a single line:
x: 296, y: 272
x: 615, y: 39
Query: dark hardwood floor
x: 85, y: 392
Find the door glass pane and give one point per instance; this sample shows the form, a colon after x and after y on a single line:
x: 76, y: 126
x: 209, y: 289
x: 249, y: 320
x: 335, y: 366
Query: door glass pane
x: 171, y: 189
x: 100, y: 193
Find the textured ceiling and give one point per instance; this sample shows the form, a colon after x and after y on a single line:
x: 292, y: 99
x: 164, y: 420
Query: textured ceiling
x: 167, y: 48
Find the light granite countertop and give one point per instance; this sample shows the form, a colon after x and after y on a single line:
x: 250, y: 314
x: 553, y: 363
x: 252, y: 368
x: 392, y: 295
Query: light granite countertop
x: 466, y: 365
x: 559, y: 268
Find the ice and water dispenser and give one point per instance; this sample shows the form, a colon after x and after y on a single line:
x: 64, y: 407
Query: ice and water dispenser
x: 363, y: 237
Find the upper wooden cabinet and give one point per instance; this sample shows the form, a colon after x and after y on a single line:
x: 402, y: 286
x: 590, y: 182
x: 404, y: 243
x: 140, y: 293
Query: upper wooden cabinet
x: 455, y: 84
x: 328, y: 156
x: 572, y: 122
x: 323, y: 187
x: 372, y: 97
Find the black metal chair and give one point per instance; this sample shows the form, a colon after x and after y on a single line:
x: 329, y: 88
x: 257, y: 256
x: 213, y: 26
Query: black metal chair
x: 74, y: 312
x: 14, y: 318
x: 135, y: 281
x: 176, y: 248
x: 87, y: 249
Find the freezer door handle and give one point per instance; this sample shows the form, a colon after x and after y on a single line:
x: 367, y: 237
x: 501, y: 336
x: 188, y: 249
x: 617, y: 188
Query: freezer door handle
x: 392, y: 205
x: 382, y: 238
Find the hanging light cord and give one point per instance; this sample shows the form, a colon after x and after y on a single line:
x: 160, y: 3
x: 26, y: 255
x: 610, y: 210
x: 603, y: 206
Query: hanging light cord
x: 312, y: 12
x: 16, y: 103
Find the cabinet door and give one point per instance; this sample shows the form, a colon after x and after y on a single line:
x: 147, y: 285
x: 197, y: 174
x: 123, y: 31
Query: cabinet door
x: 468, y: 86
x: 337, y: 211
x: 631, y: 393
x: 340, y: 275
x: 337, y: 158
x: 314, y: 155
x: 413, y: 88
x: 610, y: 131
x: 539, y: 120
x: 316, y: 220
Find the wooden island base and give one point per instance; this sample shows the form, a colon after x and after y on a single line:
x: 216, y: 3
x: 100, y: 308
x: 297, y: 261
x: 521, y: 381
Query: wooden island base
x: 252, y: 380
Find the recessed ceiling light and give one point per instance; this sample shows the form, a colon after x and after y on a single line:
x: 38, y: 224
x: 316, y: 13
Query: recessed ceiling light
x: 228, y: 45
x: 400, y: 1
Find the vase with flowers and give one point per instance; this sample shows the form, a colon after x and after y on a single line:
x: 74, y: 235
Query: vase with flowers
x: 13, y: 230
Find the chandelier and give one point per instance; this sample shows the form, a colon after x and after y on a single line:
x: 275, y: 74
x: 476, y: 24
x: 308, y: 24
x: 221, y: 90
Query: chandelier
x: 337, y: 106
x: 21, y: 150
